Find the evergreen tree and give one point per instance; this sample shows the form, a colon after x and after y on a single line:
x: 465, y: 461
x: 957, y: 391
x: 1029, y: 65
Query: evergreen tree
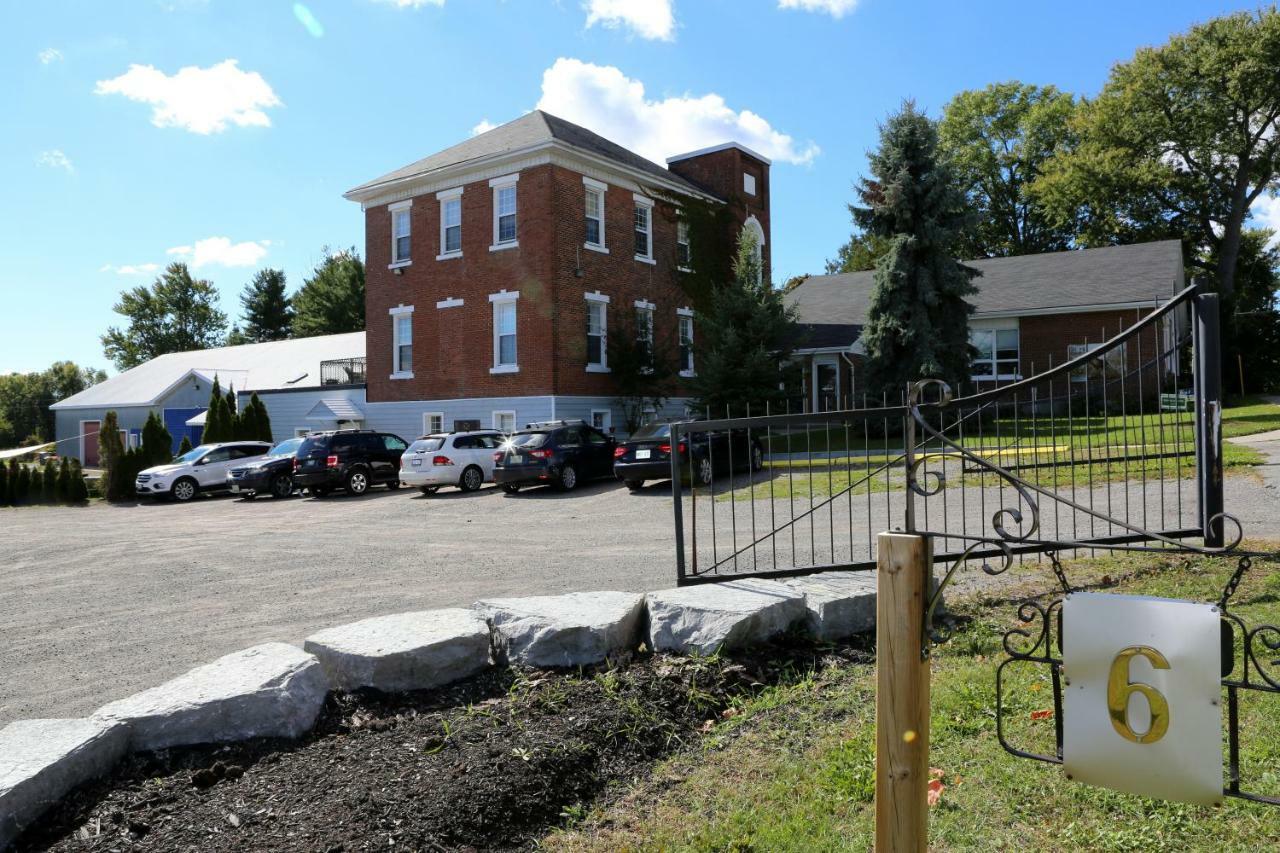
x: 62, y: 489
x: 642, y: 369
x: 215, y: 425
x: 22, y: 495
x: 4, y: 484
x: 184, y: 446
x: 261, y: 420
x: 11, y: 491
x: 157, y: 443
x: 918, y: 320
x: 111, y: 454
x: 742, y: 340
x: 49, y: 482
x: 268, y: 316
x: 332, y: 300
x: 78, y: 493
x: 35, y: 487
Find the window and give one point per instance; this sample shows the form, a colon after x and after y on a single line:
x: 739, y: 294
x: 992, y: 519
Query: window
x: 684, y: 319
x: 504, y: 422
x: 997, y: 356
x: 597, y: 329
x: 644, y: 325
x: 402, y: 342
x: 753, y: 227
x: 644, y: 229
x: 602, y: 419
x: 748, y: 183
x: 683, y: 255
x: 504, y: 212
x: 504, y: 332
x: 400, y: 232
x: 432, y: 422
x: 594, y: 194
x: 1109, y: 367
x: 450, y: 223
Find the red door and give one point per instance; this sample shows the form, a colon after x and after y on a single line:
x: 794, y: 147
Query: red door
x: 89, y: 439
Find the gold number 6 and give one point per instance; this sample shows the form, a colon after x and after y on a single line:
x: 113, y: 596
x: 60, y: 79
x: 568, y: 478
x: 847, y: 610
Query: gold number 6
x: 1119, y: 689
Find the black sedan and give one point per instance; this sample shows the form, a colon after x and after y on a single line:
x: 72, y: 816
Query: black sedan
x: 556, y: 453
x: 646, y: 455
x: 272, y: 475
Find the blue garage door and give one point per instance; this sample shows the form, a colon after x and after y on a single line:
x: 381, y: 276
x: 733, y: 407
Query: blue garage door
x: 175, y: 420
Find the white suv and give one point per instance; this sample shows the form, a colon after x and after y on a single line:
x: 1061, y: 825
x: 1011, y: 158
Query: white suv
x: 462, y: 459
x: 201, y: 469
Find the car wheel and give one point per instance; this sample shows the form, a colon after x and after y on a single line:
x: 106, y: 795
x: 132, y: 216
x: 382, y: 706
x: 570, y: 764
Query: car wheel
x: 510, y: 488
x: 428, y: 490
x: 472, y: 479
x: 568, y: 478
x: 184, y: 489
x: 281, y: 486
x: 757, y: 459
x: 634, y: 485
x: 393, y: 484
x: 705, y: 472
x: 357, y: 481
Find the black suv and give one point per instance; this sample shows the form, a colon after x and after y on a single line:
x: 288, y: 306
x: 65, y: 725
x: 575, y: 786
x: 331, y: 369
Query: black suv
x: 558, y: 453
x: 270, y: 476
x: 351, y: 459
x: 646, y: 455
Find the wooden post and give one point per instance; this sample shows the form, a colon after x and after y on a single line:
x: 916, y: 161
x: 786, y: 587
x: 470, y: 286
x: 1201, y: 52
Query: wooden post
x: 902, y: 694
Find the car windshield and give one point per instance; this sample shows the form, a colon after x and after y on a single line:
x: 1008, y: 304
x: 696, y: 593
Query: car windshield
x: 316, y: 444
x: 427, y: 445
x: 653, y: 431
x: 286, y: 448
x: 528, y: 439
x: 192, y: 455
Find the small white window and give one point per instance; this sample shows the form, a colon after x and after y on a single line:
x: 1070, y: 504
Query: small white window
x: 400, y: 243
x: 602, y: 419
x: 432, y: 422
x: 450, y: 223
x: 301, y: 432
x: 685, y: 321
x: 504, y: 332
x: 748, y: 183
x: 644, y: 229
x: 594, y: 214
x: 504, y: 212
x: 997, y: 356
x: 597, y: 333
x: 402, y: 342
x: 1109, y: 367
x: 504, y: 422
x: 683, y: 255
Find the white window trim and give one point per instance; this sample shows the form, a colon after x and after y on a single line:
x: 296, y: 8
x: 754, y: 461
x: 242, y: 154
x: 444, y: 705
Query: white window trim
x: 686, y: 312
x: 396, y: 313
x: 602, y: 299
x: 608, y: 418
x: 451, y: 302
x: 495, y: 185
x: 494, y: 418
x: 999, y: 377
x: 426, y: 417
x: 644, y: 201
x: 393, y: 209
x: 591, y: 185
x: 444, y: 197
x: 497, y: 299
x: 748, y: 183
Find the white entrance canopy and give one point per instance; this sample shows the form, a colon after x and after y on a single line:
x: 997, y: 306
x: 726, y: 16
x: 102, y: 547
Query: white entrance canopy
x: 198, y: 420
x: 336, y: 409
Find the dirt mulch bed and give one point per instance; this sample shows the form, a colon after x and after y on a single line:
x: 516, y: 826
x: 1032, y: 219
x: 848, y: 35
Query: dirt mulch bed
x: 488, y: 764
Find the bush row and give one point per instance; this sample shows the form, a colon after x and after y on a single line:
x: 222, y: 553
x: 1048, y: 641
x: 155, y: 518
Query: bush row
x: 50, y: 483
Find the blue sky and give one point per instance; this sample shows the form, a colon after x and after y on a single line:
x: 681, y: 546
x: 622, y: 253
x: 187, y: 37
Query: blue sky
x: 223, y: 133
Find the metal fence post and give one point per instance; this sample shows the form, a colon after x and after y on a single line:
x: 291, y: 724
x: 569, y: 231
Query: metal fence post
x: 1208, y: 416
x: 677, y: 502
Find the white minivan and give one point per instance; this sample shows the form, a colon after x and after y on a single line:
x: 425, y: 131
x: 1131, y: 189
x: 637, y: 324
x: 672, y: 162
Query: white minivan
x: 462, y: 459
x: 201, y: 469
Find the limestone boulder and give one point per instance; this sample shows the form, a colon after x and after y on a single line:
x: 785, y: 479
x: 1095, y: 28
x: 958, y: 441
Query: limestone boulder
x: 839, y: 604
x: 564, y: 630
x: 706, y: 618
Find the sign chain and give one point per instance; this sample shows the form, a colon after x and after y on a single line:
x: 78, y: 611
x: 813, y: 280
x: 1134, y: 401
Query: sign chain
x: 1059, y: 571
x: 1236, y: 576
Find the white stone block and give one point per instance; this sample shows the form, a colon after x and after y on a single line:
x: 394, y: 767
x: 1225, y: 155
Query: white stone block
x: 706, y: 618
x: 271, y: 690
x: 407, y: 651
x: 42, y: 760
x: 840, y: 604
x: 565, y: 630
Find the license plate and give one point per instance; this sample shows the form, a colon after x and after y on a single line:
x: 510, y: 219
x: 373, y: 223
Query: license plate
x: 517, y: 459
x: 416, y: 462
x: 642, y: 454
x: 235, y: 488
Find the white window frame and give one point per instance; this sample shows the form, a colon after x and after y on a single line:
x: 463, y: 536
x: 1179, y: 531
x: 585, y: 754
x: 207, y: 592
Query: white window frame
x: 683, y: 315
x: 426, y: 422
x: 395, y: 210
x: 748, y: 183
x: 682, y: 239
x: 1109, y: 360
x: 591, y: 186
x: 758, y: 230
x: 497, y: 413
x: 602, y: 301
x: 447, y: 197
x: 397, y: 313
x: 606, y: 422
x: 496, y: 186
x: 498, y: 300
x: 992, y: 375
x: 646, y: 203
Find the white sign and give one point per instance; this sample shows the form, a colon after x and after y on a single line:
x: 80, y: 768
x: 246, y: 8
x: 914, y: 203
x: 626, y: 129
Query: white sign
x: 1142, y: 696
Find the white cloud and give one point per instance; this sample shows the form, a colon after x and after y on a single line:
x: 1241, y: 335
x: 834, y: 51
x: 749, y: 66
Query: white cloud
x: 650, y: 19
x: 55, y: 159
x: 222, y: 252
x: 483, y: 127
x: 608, y: 102
x: 130, y: 269
x: 201, y: 100
x: 834, y: 8
x: 412, y: 4
x: 1266, y: 214
x: 48, y: 55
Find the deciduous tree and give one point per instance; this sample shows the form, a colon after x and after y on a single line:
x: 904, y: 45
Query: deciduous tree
x: 175, y: 314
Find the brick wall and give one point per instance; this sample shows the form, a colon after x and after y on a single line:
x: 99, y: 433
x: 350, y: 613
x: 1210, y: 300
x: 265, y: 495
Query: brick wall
x: 720, y: 173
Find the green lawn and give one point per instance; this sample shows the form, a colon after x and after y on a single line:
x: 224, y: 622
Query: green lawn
x: 794, y: 770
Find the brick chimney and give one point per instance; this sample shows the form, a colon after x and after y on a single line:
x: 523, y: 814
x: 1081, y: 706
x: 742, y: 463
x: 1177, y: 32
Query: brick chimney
x: 738, y: 175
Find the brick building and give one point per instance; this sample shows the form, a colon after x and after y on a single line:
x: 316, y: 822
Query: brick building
x: 497, y: 269
x: 1031, y: 312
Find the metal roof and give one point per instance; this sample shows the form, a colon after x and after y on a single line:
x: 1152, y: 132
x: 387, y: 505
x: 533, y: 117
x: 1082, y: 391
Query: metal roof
x: 336, y: 409
x: 267, y: 366
x: 1026, y: 284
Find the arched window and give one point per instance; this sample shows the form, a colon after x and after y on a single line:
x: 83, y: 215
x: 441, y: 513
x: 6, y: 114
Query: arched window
x: 753, y: 226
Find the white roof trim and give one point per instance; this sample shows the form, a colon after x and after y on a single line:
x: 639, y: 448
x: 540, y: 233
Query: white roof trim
x: 724, y: 146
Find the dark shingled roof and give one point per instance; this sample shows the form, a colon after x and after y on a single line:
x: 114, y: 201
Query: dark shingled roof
x: 528, y: 130
x: 1142, y: 272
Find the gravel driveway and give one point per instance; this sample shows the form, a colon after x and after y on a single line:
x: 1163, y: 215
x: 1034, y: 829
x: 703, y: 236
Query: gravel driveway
x: 98, y: 603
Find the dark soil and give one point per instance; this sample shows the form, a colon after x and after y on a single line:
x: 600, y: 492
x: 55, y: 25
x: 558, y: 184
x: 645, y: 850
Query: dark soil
x: 488, y: 764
